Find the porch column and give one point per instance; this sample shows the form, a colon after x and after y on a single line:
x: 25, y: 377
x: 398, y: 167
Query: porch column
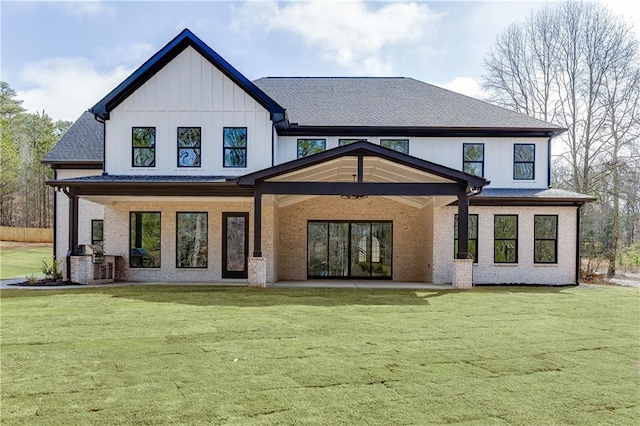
x: 463, y: 265
x: 72, y: 249
x: 257, y: 273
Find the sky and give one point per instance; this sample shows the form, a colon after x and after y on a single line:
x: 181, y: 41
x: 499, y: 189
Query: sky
x: 62, y: 57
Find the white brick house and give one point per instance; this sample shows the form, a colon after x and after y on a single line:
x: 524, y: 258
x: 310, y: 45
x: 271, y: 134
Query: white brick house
x: 188, y: 171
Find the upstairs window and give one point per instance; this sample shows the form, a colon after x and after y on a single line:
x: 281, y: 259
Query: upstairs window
x: 308, y: 147
x: 473, y: 237
x: 400, y: 145
x: 144, y: 147
x: 189, y: 144
x: 545, y: 239
x: 473, y: 158
x: 235, y: 146
x: 524, y: 156
x: 505, y: 238
x: 343, y: 142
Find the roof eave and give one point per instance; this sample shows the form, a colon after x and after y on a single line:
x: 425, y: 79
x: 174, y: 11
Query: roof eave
x: 302, y: 130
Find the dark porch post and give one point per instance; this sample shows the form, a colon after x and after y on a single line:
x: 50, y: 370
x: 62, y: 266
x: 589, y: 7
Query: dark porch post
x: 257, y: 224
x: 463, y: 226
x: 73, y: 223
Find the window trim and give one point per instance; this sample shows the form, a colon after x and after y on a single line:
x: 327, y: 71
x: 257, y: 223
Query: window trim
x: 455, y: 221
x: 495, y: 217
x: 178, y: 147
x: 235, y: 274
x: 395, y: 140
x: 152, y: 149
x: 555, y: 240
x: 533, y: 163
x: 130, y: 248
x: 93, y: 240
x: 324, y: 146
x: 480, y: 162
x: 235, y: 148
x: 206, y: 215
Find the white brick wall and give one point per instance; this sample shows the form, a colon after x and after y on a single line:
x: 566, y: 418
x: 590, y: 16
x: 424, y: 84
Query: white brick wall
x: 525, y: 271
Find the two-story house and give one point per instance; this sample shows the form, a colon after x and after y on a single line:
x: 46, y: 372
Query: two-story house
x: 188, y: 171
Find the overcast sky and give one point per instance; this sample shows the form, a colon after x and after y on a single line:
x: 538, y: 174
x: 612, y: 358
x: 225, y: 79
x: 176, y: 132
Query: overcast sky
x: 62, y: 57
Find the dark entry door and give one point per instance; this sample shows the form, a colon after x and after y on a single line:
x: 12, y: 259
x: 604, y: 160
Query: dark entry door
x: 341, y: 249
x: 235, y: 244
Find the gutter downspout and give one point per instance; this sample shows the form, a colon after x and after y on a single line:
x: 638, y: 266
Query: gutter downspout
x: 578, y: 258
x: 104, y: 143
x: 549, y: 162
x: 55, y: 217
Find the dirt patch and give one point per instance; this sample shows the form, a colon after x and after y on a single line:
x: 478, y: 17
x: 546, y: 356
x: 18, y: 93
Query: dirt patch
x: 17, y: 245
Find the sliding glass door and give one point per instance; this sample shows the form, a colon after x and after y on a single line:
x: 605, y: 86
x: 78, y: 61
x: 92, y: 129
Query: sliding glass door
x: 341, y: 249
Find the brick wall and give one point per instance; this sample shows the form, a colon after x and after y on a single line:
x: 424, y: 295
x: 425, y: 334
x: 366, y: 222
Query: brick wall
x: 525, y: 271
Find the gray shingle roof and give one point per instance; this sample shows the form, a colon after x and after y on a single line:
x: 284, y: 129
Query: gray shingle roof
x: 545, y: 193
x: 83, y: 142
x: 386, y: 101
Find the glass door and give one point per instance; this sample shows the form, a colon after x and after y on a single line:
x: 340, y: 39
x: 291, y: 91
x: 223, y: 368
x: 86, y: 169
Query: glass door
x: 235, y: 244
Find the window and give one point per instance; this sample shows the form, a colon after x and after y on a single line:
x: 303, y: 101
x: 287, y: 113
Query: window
x: 400, y: 145
x: 189, y: 143
x: 308, y: 147
x: 144, y: 239
x: 505, y: 239
x: 192, y: 248
x: 235, y: 146
x: 524, y: 156
x: 473, y: 158
x: 473, y: 237
x: 343, y: 142
x: 97, y: 233
x: 545, y: 239
x: 144, y: 147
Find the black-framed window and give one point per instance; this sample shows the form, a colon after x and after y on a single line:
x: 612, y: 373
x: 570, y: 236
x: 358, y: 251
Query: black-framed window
x: 306, y: 147
x: 473, y: 158
x: 235, y: 146
x: 97, y: 233
x: 400, y: 145
x: 545, y: 238
x: 192, y: 245
x: 235, y: 244
x: 189, y: 146
x: 524, y: 161
x: 143, y: 147
x: 473, y: 236
x: 343, y: 142
x: 505, y: 238
x: 144, y: 239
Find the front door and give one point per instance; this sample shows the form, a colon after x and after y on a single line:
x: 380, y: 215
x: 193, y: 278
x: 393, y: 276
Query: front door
x: 356, y: 249
x: 235, y: 244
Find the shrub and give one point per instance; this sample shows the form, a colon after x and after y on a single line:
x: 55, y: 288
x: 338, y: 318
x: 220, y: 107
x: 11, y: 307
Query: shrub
x: 51, y: 272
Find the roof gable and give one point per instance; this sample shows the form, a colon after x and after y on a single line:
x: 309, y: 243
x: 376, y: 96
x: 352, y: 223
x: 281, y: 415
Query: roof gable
x: 167, y: 54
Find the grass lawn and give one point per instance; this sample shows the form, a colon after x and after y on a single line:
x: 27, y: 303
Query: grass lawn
x: 211, y: 355
x: 21, y: 260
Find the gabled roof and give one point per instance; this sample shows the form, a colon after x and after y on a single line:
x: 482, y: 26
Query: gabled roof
x: 82, y: 145
x: 388, y: 104
x: 365, y: 149
x: 167, y: 54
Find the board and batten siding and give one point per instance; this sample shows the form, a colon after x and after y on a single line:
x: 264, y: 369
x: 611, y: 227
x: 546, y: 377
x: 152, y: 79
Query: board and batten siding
x: 188, y: 92
x: 498, y: 155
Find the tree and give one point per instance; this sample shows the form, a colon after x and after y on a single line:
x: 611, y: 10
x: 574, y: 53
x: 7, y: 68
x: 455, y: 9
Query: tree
x: 576, y: 65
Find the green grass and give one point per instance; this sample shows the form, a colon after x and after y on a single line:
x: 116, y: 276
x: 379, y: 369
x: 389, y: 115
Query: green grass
x: 22, y: 262
x: 211, y: 355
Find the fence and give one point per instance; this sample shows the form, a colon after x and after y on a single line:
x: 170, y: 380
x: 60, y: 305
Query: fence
x: 27, y: 235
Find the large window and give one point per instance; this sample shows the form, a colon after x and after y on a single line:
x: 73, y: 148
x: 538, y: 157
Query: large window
x: 235, y: 146
x: 192, y: 248
x: 308, y: 147
x: 524, y: 157
x: 144, y: 147
x: 400, y: 145
x: 189, y: 144
x: 473, y: 158
x: 545, y: 239
x: 343, y: 142
x: 144, y: 239
x: 473, y: 237
x: 505, y: 239
x: 97, y: 233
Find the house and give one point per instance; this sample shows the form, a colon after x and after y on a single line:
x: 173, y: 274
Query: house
x: 188, y: 171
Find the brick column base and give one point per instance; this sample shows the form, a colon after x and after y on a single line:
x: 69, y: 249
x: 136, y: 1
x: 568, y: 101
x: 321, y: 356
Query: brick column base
x: 257, y: 272
x: 463, y: 273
